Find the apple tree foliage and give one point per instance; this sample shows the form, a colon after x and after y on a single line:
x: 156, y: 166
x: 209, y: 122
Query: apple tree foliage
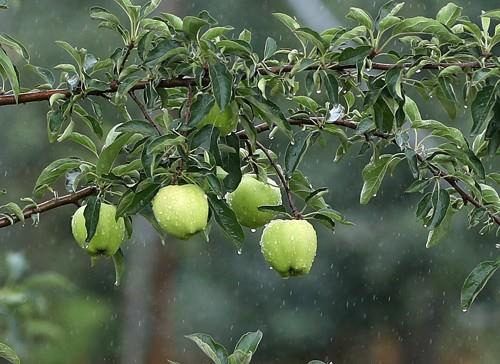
x: 360, y: 84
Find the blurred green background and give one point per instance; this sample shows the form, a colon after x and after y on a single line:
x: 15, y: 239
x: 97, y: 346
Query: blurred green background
x: 375, y: 294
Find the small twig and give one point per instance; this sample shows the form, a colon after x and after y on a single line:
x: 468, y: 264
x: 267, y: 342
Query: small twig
x: 71, y: 198
x: 250, y: 157
x: 144, y: 111
x: 284, y: 183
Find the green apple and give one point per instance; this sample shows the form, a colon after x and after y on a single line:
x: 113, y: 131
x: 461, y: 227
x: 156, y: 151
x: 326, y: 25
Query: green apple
x: 109, y: 234
x: 225, y: 120
x: 248, y: 196
x: 181, y: 211
x: 289, y: 246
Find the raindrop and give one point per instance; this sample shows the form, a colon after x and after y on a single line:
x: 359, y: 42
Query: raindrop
x: 418, y: 71
x: 253, y: 230
x: 239, y: 251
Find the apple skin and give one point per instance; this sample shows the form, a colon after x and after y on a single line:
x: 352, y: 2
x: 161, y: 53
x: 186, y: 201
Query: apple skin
x: 248, y: 196
x: 181, y: 210
x: 289, y: 246
x: 226, y: 120
x: 109, y: 234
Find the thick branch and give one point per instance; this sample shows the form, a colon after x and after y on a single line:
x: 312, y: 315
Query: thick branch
x: 71, y: 198
x: 34, y: 96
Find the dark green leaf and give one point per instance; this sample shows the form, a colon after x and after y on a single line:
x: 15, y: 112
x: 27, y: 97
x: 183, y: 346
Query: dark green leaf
x: 353, y: 55
x: 441, y: 202
x: 481, y: 108
x: 476, y: 281
x: 222, y: 84
x: 295, y: 151
x: 200, y: 108
x: 384, y: 118
x: 227, y: 220
x: 137, y: 126
x: 393, y: 81
x: 374, y: 173
x: 91, y: 216
x: 110, y: 152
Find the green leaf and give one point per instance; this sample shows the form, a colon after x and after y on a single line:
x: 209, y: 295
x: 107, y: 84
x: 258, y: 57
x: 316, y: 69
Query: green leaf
x: 119, y: 263
x: 353, y: 55
x: 249, y: 342
x: 270, y: 48
x: 295, y: 151
x: 133, y: 203
x: 270, y: 113
x: 238, y: 47
x: 192, y: 24
x: 165, y: 49
x: 439, y: 232
x: 53, y: 171
x: 8, y: 41
x: 360, y: 16
x: 494, y: 14
x: 222, y: 84
x: 16, y: 210
x: 6, y: 352
x: 227, y: 220
x: 110, y: 152
x: 448, y: 14
x: 374, y: 173
x: 10, y: 72
x: 476, y: 281
x: 84, y: 141
x: 384, y: 118
x: 441, y: 202
x: 215, y: 32
x: 200, y: 108
x: 215, y: 351
x: 313, y: 37
x: 424, y: 25
x: 481, y: 108
x: 411, y: 110
x: 230, y: 161
x: 137, y: 126
x: 91, y: 216
x: 393, y: 81
x: 439, y: 129
x: 287, y: 20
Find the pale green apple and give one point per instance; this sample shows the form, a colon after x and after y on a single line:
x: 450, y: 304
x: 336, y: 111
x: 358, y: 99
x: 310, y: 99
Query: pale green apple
x: 289, y: 246
x: 109, y: 234
x: 181, y: 210
x: 248, y: 196
x: 225, y: 120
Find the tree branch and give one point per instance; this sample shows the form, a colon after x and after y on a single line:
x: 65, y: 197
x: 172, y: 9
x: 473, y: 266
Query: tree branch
x: 87, y: 191
x: 144, y: 111
x: 68, y: 199
x: 34, y: 96
x: 284, y: 182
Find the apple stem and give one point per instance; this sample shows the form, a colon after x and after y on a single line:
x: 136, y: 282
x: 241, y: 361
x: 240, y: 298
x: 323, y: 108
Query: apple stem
x: 283, y: 182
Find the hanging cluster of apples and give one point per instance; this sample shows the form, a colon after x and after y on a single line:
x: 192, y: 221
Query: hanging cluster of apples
x: 182, y: 210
